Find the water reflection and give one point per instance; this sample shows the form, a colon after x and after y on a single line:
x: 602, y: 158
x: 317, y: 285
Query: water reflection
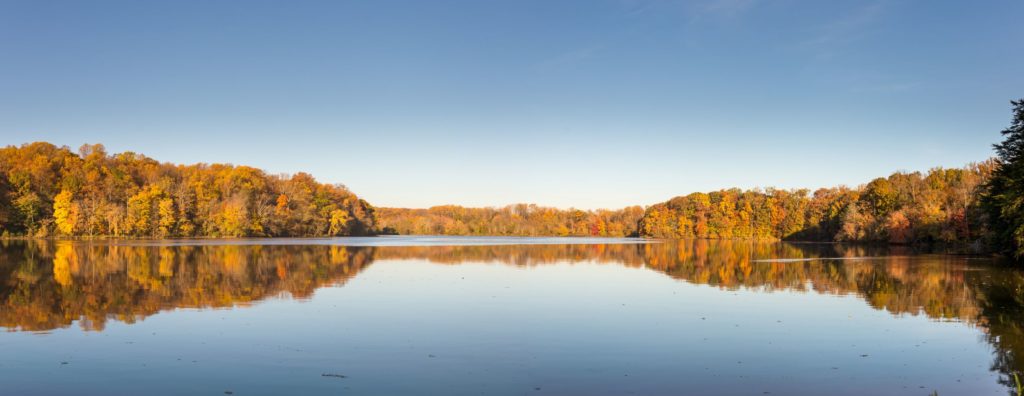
x: 49, y: 285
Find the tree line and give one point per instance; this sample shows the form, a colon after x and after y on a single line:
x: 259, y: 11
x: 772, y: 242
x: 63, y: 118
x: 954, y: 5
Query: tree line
x: 51, y: 191
x: 47, y: 190
x: 511, y: 220
x: 938, y: 206
x: 941, y: 205
x: 980, y: 206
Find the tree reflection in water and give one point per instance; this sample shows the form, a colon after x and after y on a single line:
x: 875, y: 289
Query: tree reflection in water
x: 49, y: 285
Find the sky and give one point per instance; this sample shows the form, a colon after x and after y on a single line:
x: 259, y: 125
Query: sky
x: 586, y: 104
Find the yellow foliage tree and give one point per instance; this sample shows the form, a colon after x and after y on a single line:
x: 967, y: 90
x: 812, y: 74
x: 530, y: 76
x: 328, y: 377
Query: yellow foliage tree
x: 339, y: 220
x: 65, y: 212
x: 141, y: 208
x: 234, y: 219
x: 165, y: 212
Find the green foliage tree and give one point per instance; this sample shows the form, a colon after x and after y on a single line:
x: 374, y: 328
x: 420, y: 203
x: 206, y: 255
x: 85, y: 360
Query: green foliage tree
x: 1003, y: 200
x: 879, y: 197
x: 28, y: 206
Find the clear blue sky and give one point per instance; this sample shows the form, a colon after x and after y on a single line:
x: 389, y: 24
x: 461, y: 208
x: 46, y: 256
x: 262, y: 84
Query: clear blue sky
x: 564, y: 103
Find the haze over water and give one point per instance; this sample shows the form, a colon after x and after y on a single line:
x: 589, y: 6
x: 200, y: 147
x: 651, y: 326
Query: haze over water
x: 437, y: 315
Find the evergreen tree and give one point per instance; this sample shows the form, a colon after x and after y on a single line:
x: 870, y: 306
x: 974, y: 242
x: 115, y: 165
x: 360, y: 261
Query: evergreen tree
x: 1004, y: 198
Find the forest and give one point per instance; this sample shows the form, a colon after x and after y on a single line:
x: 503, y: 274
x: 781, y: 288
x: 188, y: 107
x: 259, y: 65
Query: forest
x: 977, y: 207
x: 511, y: 220
x: 50, y: 191
x: 938, y: 206
x: 941, y: 205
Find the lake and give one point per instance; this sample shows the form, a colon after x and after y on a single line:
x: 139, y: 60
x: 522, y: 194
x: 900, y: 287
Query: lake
x: 503, y: 316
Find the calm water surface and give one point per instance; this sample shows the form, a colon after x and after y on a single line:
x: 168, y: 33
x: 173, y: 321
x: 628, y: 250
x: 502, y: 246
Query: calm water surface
x: 536, y: 316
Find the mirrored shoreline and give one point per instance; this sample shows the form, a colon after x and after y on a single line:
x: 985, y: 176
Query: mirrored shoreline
x: 52, y: 285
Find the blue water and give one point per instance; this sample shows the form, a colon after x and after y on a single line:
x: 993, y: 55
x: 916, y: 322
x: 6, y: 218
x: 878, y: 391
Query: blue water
x: 505, y: 316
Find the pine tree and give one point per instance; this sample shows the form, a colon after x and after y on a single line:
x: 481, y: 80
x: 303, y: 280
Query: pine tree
x: 1004, y: 197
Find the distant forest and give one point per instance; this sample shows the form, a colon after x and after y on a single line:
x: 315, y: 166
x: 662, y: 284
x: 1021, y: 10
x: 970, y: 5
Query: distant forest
x: 906, y: 207
x: 979, y: 206
x: 50, y: 191
x: 511, y: 220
